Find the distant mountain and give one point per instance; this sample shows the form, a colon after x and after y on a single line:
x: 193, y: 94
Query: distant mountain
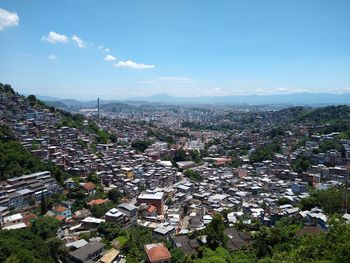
x: 293, y: 99
x: 287, y: 99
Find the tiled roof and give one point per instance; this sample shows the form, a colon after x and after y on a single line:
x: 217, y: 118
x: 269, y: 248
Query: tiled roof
x: 89, y: 186
x: 97, y: 202
x: 157, y: 252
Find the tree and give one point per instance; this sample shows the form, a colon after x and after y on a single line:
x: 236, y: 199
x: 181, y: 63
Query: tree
x: 192, y: 175
x: 137, y: 237
x: 109, y: 230
x: 45, y: 227
x: 56, y: 247
x: 283, y: 201
x: 22, y: 245
x: 218, y: 255
x: 265, y: 152
x: 177, y: 255
x: 330, y: 200
x: 215, y: 232
x: 140, y: 145
x: 114, y: 195
x: 100, y: 210
x: 43, y: 205
x: 301, y: 164
x: 180, y: 156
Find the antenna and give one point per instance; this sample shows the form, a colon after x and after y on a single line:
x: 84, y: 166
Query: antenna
x: 98, y: 108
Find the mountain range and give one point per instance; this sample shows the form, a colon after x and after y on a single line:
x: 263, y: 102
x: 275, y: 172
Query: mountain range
x: 288, y: 99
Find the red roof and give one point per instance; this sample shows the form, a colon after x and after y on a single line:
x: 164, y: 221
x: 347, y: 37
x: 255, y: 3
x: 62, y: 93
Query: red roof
x: 151, y: 209
x: 28, y: 218
x: 60, y: 209
x: 97, y: 202
x: 61, y: 218
x: 89, y: 186
x: 157, y: 252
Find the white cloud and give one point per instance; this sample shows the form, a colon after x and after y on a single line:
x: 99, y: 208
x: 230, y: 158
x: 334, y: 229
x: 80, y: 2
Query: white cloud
x: 103, y: 48
x: 8, y: 19
x: 52, y: 57
x: 80, y: 43
x: 132, y: 65
x: 53, y: 38
x: 110, y: 58
x: 282, y: 89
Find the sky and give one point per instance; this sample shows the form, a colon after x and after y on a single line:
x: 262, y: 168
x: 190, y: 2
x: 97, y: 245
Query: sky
x: 115, y: 49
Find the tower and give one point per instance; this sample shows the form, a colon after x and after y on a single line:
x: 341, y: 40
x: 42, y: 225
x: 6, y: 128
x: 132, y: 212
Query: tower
x: 98, y: 108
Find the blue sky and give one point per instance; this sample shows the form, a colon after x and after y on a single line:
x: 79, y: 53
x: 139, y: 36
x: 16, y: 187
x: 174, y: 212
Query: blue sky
x: 118, y: 49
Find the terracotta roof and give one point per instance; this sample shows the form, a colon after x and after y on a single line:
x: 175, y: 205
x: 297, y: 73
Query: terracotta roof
x: 89, y: 186
x: 157, y: 252
x: 97, y: 202
x: 151, y: 209
x: 61, y: 218
x: 28, y: 218
x: 60, y: 209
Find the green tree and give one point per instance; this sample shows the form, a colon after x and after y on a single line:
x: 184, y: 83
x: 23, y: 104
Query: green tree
x: 115, y: 196
x: 192, y: 175
x: 45, y: 227
x: 330, y: 200
x: 43, y: 205
x: 57, y: 248
x: 177, y: 255
x: 100, y: 210
x: 22, y: 245
x: 216, y: 232
x: 109, y: 230
x: 140, y: 145
x: 301, y: 164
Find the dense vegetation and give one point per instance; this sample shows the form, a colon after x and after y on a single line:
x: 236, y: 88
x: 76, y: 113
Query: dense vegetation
x: 192, y: 175
x: 6, y: 88
x: 265, y: 152
x: 141, y: 145
x: 330, y: 200
x: 36, y: 244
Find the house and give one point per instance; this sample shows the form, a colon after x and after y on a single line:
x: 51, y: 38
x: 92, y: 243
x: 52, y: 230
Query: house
x: 88, y: 253
x: 236, y: 239
x: 164, y: 231
x: 76, y: 244
x: 114, y: 215
x: 97, y: 202
x: 184, y: 243
x: 90, y: 188
x: 62, y: 212
x: 130, y: 211
x: 91, y: 222
x: 346, y: 216
x: 110, y: 257
x: 157, y: 253
x: 156, y: 199
x: 13, y: 222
